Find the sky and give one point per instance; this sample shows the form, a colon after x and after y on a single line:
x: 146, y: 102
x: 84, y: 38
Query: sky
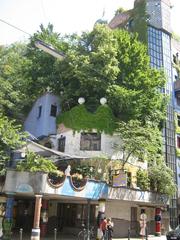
x: 67, y: 16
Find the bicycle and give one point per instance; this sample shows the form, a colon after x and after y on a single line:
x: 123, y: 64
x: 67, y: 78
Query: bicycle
x: 83, y: 234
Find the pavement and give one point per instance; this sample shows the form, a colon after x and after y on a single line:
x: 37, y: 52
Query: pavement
x: 61, y: 237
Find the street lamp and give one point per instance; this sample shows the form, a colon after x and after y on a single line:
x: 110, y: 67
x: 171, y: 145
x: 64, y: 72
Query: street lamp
x: 49, y: 49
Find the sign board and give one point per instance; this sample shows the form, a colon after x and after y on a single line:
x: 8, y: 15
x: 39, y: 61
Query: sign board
x: 120, y: 180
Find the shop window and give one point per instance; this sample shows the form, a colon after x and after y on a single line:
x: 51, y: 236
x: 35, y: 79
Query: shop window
x: 61, y: 144
x: 53, y: 110
x: 90, y: 141
x: 178, y: 142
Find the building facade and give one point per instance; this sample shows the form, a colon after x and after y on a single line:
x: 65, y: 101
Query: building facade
x: 151, y: 19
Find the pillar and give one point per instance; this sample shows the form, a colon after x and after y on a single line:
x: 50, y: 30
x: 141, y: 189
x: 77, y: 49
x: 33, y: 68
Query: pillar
x: 8, y: 218
x: 35, y: 234
x: 100, y: 217
x: 2, y: 213
x: 44, y: 217
x: 158, y: 222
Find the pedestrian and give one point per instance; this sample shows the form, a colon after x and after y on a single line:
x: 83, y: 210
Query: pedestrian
x: 109, y: 229
x: 103, y: 228
x: 143, y: 221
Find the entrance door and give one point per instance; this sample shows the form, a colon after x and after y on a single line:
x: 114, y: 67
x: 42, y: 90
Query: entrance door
x: 74, y: 215
x: 134, y: 222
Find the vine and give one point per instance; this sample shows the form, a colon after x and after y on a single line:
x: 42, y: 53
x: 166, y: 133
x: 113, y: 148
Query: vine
x: 78, y: 118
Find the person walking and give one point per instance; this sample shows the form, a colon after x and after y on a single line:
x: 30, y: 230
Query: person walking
x: 143, y: 221
x: 104, y: 228
x: 109, y: 229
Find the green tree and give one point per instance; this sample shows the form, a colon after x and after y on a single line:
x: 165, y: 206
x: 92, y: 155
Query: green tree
x: 137, y: 141
x: 116, y: 65
x: 42, y: 70
x: 162, y: 178
x: 135, y: 94
x: 12, y: 80
x: 10, y: 138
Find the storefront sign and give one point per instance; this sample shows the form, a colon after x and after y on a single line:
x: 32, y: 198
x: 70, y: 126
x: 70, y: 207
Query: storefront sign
x: 120, y: 180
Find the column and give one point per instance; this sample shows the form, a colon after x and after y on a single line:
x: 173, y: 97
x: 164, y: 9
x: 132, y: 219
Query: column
x: 100, y: 217
x: 2, y: 213
x: 8, y: 219
x: 158, y: 221
x: 35, y: 234
x: 44, y: 217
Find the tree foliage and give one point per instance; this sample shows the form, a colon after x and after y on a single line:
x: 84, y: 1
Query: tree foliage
x: 10, y: 138
x: 12, y: 80
x: 162, y: 179
x: 35, y: 163
x: 142, y: 142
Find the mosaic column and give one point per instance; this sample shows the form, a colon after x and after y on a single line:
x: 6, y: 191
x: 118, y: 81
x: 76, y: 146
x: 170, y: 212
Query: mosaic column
x: 2, y: 213
x: 35, y: 234
x: 158, y: 221
x: 100, y: 217
x: 8, y: 219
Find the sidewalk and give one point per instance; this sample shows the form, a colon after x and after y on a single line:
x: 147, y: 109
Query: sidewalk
x: 61, y: 237
x: 150, y: 237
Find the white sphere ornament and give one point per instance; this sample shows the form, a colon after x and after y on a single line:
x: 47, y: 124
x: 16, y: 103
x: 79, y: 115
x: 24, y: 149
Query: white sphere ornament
x: 103, y: 100
x: 81, y: 100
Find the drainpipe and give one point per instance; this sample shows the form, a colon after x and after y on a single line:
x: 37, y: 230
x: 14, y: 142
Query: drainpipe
x: 88, y: 219
x: 8, y: 219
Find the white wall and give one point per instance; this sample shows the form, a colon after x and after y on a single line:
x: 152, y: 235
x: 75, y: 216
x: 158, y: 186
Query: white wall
x: 72, y: 145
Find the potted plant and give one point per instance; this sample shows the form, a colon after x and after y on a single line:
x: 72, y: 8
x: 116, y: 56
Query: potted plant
x: 56, y: 178
x: 78, y: 181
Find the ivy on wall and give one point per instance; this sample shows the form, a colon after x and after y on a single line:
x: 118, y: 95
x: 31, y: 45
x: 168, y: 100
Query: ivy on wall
x: 140, y: 16
x: 78, y: 118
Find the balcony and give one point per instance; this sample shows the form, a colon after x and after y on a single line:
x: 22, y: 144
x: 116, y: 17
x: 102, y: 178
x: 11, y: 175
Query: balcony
x: 137, y: 195
x: 27, y: 183
x: 31, y: 183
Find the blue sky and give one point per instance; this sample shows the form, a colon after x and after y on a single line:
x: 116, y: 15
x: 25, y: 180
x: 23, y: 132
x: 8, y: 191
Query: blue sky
x: 67, y: 16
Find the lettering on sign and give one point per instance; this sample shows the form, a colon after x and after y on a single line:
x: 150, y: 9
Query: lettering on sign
x: 120, y: 180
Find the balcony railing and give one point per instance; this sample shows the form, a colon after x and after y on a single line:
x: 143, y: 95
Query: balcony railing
x: 30, y: 183
x: 137, y: 195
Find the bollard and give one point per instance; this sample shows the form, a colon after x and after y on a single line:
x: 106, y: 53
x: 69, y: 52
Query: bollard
x: 146, y: 233
x: 20, y: 233
x: 129, y: 233
x: 55, y: 233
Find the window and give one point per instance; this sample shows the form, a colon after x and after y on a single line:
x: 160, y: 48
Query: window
x: 39, y: 111
x: 61, y: 144
x: 90, y: 141
x: 178, y: 142
x: 53, y: 110
x: 48, y: 145
x: 178, y: 99
x: 178, y: 120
